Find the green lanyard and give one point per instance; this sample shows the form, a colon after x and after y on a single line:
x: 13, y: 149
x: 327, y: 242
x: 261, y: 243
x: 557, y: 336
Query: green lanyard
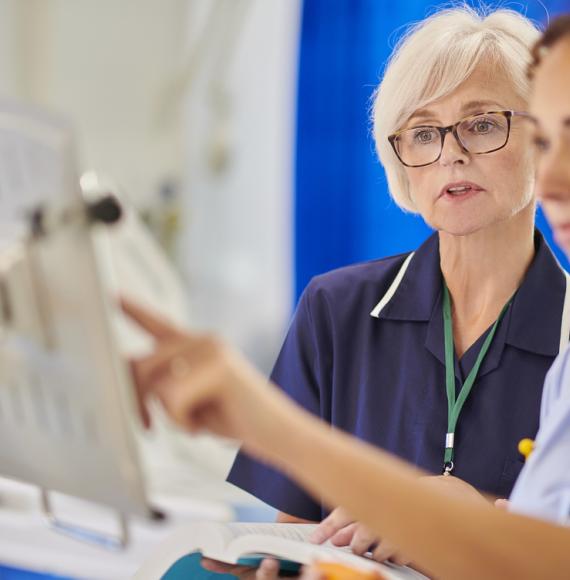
x: 454, y: 406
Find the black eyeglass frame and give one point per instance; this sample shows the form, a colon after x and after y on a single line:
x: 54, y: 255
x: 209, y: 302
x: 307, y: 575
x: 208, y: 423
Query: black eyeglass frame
x: 443, y: 131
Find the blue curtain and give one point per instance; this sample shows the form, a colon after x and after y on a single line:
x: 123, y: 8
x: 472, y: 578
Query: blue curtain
x: 343, y: 213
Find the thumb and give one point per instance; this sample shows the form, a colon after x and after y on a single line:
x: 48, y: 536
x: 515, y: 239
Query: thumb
x: 334, y: 522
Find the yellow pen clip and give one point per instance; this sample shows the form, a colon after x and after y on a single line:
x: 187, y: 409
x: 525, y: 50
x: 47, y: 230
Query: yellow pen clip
x: 335, y: 571
x: 526, y: 447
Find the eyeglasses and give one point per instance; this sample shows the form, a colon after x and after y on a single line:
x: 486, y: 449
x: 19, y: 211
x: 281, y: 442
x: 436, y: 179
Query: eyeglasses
x: 476, y: 134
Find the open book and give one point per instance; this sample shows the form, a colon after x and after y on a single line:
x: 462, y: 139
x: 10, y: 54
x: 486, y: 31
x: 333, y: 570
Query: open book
x: 239, y: 542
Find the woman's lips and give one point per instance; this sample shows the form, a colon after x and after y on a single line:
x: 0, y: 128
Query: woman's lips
x: 460, y: 190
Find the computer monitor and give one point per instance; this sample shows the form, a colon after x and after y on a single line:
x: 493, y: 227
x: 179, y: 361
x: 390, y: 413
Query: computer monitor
x: 67, y: 407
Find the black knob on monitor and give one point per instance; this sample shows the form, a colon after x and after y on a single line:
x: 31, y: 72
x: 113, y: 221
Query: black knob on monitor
x: 106, y: 210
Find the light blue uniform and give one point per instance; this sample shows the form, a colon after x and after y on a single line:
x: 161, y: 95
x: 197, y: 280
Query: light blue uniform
x: 543, y: 487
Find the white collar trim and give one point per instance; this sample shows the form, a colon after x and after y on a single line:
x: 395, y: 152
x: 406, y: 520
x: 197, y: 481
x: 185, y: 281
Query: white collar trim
x: 398, y: 279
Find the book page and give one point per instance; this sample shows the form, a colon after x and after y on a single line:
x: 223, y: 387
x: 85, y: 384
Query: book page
x: 297, y: 532
x: 213, y: 541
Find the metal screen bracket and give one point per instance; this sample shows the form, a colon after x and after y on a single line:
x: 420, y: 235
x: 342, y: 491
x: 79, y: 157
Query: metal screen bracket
x: 107, y: 541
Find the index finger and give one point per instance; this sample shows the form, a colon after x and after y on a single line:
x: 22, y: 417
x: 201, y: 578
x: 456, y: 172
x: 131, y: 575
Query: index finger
x: 147, y: 320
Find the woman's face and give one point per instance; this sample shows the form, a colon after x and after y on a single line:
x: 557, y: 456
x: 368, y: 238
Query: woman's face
x: 550, y: 105
x: 499, y: 184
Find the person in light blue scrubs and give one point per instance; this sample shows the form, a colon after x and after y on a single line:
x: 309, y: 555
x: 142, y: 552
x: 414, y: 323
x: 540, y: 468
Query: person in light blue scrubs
x: 543, y: 489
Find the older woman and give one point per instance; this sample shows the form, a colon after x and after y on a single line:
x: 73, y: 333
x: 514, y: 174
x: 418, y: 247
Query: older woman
x: 449, y: 536
x: 438, y: 356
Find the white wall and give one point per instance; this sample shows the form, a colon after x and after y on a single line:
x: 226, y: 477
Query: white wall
x: 8, y: 34
x: 106, y: 64
x: 237, y: 250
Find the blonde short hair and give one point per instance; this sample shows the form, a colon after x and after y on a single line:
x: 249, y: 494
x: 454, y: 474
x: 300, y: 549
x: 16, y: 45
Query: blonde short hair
x: 432, y: 59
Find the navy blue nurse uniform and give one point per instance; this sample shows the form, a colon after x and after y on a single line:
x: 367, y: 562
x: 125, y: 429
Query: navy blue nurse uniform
x: 365, y: 353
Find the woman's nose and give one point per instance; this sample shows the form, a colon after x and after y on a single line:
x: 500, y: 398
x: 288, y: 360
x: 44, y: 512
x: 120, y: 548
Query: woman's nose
x: 452, y: 151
